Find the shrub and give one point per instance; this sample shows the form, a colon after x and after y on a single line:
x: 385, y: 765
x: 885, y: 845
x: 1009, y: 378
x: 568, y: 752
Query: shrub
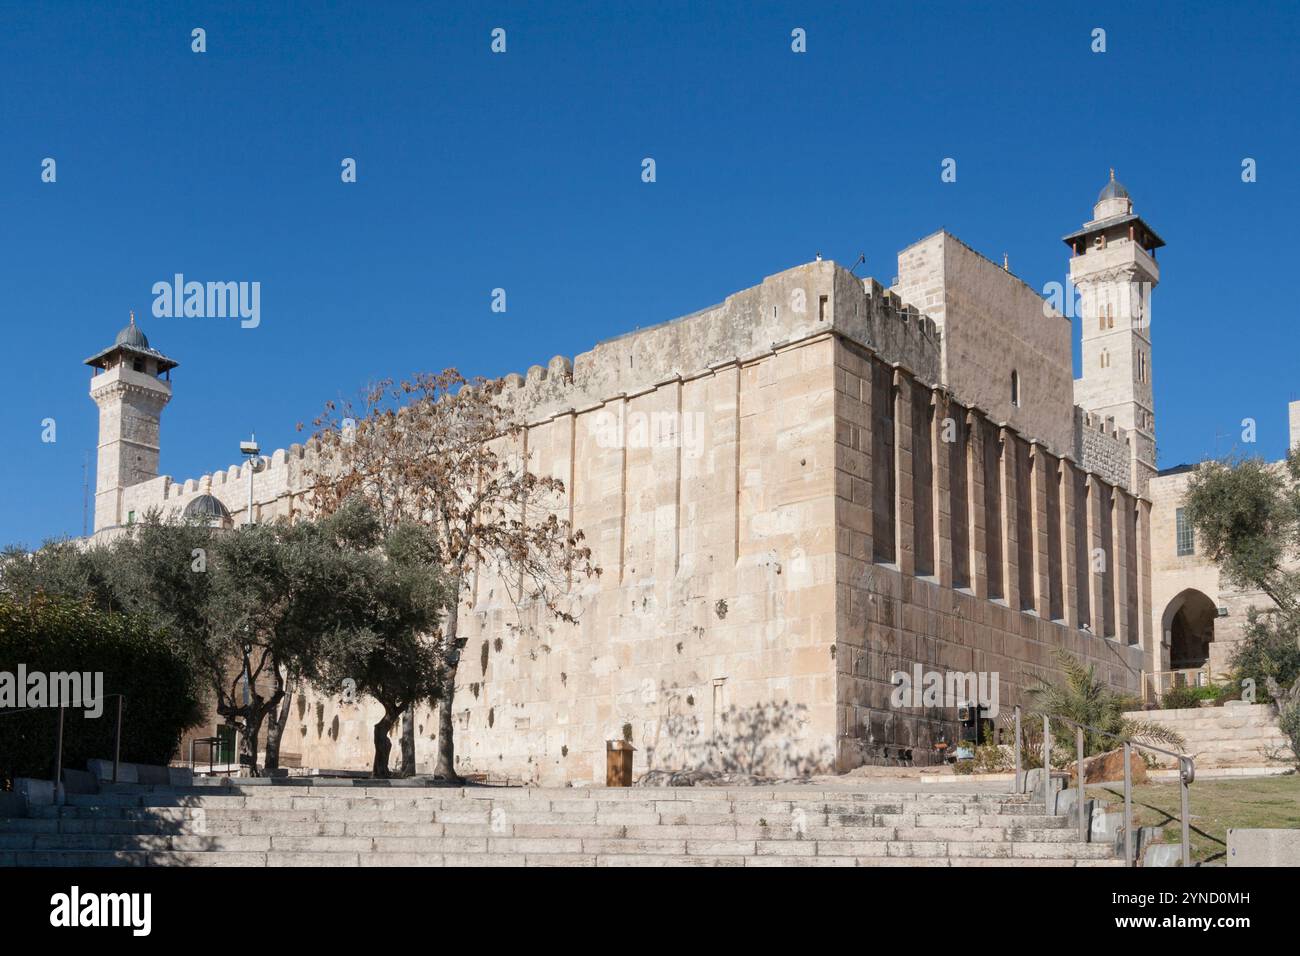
x: 57, y: 634
x: 1269, y: 649
x: 1288, y: 721
x: 1180, y: 698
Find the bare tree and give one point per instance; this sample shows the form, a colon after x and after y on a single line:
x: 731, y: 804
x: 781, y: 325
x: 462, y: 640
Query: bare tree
x: 438, y: 449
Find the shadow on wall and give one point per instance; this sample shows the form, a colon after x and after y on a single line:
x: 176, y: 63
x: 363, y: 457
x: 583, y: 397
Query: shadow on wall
x: 768, y: 739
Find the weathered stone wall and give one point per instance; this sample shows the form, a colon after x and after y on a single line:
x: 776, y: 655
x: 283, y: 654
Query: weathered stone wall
x: 1108, y: 454
x: 993, y: 324
x: 1173, y: 575
x: 774, y: 522
x: 1002, y: 595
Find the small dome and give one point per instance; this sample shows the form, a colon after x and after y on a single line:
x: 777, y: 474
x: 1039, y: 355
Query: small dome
x: 132, y: 337
x: 1113, y: 190
x: 206, y: 506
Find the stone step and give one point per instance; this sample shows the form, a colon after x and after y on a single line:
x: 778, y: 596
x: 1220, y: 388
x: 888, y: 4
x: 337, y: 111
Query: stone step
x: 174, y: 858
x: 38, y: 844
x: 436, y: 798
x: 101, y: 834
x: 188, y: 819
x: 1047, y: 830
x: 590, y: 810
x: 958, y: 790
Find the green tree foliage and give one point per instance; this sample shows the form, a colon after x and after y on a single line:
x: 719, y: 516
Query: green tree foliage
x: 1246, y: 514
x: 389, y: 596
x: 1085, y: 699
x: 258, y: 609
x: 1270, y: 650
x: 1247, y: 520
x: 50, y: 633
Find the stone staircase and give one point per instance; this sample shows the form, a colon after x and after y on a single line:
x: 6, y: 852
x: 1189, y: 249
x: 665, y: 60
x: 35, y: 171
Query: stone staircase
x: 230, y: 825
x: 1234, y: 735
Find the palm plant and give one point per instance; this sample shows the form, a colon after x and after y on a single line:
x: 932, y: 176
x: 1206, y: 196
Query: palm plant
x: 1085, y: 699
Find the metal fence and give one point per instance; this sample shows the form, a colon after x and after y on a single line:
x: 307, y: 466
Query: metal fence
x: 1186, y: 775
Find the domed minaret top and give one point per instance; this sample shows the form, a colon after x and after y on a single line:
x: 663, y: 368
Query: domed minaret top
x: 132, y: 342
x: 1113, y: 218
x: 1113, y: 200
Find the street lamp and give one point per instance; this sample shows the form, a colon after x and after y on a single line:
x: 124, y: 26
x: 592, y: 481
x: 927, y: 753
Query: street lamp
x: 250, y: 450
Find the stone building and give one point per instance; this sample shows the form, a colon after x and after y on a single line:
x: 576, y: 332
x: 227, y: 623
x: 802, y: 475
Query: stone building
x: 1199, y: 617
x: 793, y: 495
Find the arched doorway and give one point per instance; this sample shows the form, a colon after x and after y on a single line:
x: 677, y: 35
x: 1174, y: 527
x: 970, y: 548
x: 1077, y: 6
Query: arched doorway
x: 1189, y: 625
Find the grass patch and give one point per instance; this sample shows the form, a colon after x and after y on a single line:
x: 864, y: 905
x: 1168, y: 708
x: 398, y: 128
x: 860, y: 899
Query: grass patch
x: 1216, y: 807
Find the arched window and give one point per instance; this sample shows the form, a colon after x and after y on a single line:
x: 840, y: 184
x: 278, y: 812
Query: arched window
x: 1105, y: 358
x: 1015, y: 388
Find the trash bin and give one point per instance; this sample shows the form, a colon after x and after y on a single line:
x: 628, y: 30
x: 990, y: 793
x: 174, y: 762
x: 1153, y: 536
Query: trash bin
x: 618, y: 763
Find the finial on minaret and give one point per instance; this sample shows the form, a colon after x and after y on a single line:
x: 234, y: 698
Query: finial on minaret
x: 1112, y: 174
x: 1006, y: 263
x: 133, y: 316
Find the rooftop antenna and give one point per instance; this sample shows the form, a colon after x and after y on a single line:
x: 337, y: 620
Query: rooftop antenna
x: 862, y: 257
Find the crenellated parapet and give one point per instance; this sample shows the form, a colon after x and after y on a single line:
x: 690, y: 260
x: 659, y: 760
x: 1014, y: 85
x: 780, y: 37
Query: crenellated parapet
x: 813, y: 299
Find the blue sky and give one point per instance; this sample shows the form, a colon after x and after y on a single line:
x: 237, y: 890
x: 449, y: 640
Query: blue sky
x: 522, y: 171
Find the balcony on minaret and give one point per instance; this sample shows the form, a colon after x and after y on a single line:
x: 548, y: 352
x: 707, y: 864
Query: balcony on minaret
x: 131, y: 361
x: 1115, y: 240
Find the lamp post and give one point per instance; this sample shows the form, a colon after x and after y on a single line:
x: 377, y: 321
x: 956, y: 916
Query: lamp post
x: 250, y: 450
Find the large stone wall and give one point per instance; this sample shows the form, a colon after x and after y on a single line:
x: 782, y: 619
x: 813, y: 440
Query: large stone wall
x: 985, y: 570
x: 767, y: 554
x: 1109, y: 454
x: 993, y: 324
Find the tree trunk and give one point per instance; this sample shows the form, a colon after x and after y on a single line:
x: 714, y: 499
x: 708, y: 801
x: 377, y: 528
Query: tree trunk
x: 248, y: 739
x: 257, y: 710
x: 383, y: 746
x: 408, y: 742
x: 275, y: 722
x: 446, y: 768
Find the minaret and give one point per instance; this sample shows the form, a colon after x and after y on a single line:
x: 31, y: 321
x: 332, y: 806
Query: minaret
x: 1113, y: 265
x: 131, y: 384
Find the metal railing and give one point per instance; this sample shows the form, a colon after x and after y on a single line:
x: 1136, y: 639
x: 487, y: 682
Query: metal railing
x: 1186, y: 776
x: 58, y: 739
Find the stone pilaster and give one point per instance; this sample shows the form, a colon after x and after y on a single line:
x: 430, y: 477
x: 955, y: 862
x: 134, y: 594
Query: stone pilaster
x: 941, y: 485
x: 1010, y: 531
x: 979, y: 573
x: 1150, y: 637
x: 905, y: 517
x: 1119, y: 524
x: 1096, y: 578
x: 1041, y: 471
x: 1069, y: 545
